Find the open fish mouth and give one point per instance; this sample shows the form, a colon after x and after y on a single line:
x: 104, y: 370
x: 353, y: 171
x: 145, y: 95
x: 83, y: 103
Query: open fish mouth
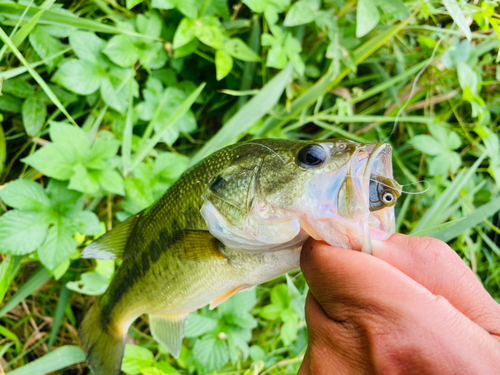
x: 367, y: 161
x: 343, y: 217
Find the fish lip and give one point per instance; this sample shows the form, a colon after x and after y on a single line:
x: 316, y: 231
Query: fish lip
x: 376, y: 155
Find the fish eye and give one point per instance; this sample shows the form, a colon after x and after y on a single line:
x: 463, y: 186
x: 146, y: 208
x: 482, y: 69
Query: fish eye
x: 312, y: 156
x: 388, y: 198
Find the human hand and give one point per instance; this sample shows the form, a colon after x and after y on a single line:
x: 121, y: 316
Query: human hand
x: 414, y: 307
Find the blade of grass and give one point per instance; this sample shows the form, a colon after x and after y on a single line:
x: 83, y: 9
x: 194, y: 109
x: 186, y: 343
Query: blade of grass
x: 389, y: 83
x: 14, y: 30
x: 428, y: 232
x: 6, y: 269
x: 5, y: 38
x: 249, y: 69
x: 431, y: 216
x: 22, y: 69
x: 329, y: 80
x: 3, y: 147
x: 62, y: 19
x: 248, y: 115
x: 181, y: 111
x: 127, y: 139
x: 54, y: 361
x: 97, y: 122
x: 470, y: 221
x: 492, y: 245
x: 61, y: 305
x: 38, y: 279
x: 374, y: 118
x: 24, y: 31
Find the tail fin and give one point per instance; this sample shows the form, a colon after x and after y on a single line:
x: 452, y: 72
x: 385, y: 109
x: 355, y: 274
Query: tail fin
x: 103, y: 344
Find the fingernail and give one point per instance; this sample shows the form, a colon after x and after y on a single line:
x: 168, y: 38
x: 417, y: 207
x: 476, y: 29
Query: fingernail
x: 377, y: 234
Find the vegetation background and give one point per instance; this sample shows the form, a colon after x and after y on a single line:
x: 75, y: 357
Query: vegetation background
x: 106, y: 102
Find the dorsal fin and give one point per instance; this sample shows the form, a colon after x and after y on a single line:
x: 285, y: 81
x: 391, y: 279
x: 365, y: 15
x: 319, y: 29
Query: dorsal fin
x: 112, y: 244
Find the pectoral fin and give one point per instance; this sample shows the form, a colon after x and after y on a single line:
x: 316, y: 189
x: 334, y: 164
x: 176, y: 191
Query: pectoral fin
x: 168, y: 330
x: 223, y: 298
x: 112, y: 244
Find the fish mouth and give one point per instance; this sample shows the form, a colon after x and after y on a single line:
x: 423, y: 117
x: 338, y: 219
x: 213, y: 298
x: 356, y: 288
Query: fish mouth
x: 366, y: 161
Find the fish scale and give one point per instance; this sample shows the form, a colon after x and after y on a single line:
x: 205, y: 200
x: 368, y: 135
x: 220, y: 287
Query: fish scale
x: 235, y: 220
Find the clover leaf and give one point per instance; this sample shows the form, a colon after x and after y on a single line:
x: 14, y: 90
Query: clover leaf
x: 43, y: 221
x: 441, y: 146
x: 71, y: 156
x: 94, y: 71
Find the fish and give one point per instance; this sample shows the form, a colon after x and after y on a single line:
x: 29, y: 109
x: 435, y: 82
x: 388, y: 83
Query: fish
x: 236, y: 219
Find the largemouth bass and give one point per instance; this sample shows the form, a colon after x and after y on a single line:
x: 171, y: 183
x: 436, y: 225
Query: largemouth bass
x: 237, y: 219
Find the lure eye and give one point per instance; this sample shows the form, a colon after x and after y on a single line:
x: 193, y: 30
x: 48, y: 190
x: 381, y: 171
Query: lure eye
x: 312, y: 156
x: 388, y: 198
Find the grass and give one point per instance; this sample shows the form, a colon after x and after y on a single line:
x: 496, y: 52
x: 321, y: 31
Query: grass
x: 159, y: 109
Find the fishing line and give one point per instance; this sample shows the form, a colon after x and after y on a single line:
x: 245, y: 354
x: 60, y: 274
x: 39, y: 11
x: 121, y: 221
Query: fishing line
x: 413, y: 89
x: 409, y: 192
x: 269, y: 148
x: 402, y: 191
x: 415, y: 82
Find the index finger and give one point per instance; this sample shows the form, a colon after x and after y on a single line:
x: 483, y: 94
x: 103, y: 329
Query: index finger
x: 436, y: 266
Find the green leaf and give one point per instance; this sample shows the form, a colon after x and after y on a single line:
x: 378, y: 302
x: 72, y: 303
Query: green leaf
x: 164, y: 4
x: 136, y: 358
x: 427, y: 144
x: 46, y: 45
x: 290, y: 327
x: 17, y: 87
x: 111, y: 181
x: 87, y: 46
x: 197, y: 325
x: 179, y: 112
x: 8, y: 103
x: 83, y: 181
x: 279, y: 296
x: 35, y: 75
x: 74, y: 136
x: 239, y: 50
x: 84, y: 222
x: 149, y: 23
x: 208, y: 31
x: 453, y: 141
x: 56, y: 360
x: 57, y: 247
x: 79, y: 76
x: 96, y: 282
x: 133, y: 3
x: 367, y: 17
x: 62, y: 199
x: 467, y: 78
x: 184, y: 33
x: 22, y: 232
x: 270, y: 312
x: 139, y: 191
x: 458, y: 16
x: 34, y: 114
x: 122, y: 50
x: 170, y: 165
x: 210, y: 353
x: 300, y: 13
x: 223, y: 64
x: 25, y: 194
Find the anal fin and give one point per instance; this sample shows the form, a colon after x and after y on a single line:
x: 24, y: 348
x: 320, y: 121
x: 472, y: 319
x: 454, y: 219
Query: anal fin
x: 224, y: 297
x: 168, y: 330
